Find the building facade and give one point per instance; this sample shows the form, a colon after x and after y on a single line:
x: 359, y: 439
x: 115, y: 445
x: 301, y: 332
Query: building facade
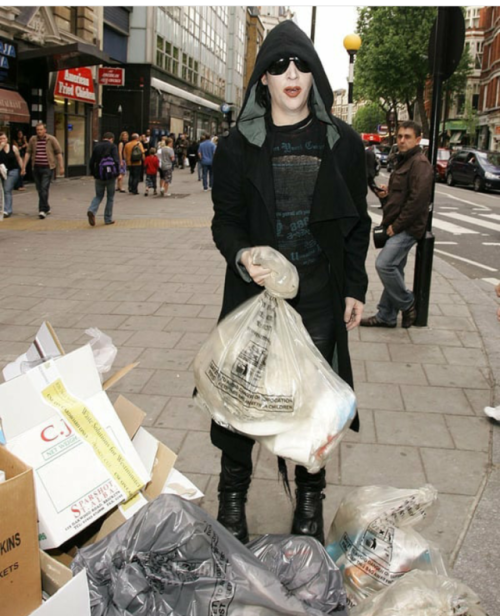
x: 489, y: 94
x: 255, y: 37
x: 56, y: 51
x: 183, y: 63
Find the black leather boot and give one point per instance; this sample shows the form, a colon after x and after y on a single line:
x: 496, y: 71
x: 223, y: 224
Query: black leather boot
x: 233, y: 487
x: 308, y: 515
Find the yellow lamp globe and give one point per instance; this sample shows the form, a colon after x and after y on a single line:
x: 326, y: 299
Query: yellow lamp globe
x: 352, y: 42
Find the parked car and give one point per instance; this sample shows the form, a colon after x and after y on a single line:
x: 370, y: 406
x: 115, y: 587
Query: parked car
x: 382, y: 152
x: 479, y: 168
x: 443, y: 157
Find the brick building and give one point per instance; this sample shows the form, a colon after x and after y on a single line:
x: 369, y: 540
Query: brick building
x: 489, y: 94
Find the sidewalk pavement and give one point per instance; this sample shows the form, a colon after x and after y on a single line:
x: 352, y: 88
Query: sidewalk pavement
x: 153, y: 282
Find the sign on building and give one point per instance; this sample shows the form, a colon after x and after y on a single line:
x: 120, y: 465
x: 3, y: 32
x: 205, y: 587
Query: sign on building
x: 111, y: 76
x: 75, y: 83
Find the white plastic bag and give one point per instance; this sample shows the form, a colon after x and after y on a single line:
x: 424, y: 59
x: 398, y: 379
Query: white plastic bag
x: 372, y: 542
x: 103, y: 349
x: 421, y: 593
x: 260, y: 374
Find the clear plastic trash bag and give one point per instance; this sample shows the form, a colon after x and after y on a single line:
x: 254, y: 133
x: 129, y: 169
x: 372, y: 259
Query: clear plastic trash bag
x: 422, y: 593
x: 172, y: 559
x: 305, y: 569
x: 372, y: 542
x: 259, y: 373
x: 103, y: 349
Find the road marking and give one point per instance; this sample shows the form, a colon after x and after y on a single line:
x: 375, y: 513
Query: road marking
x: 492, y: 216
x: 493, y: 281
x: 473, y: 221
x: 447, y: 243
x: 436, y: 222
x: 491, y: 243
x: 448, y: 207
x: 448, y: 254
x: 478, y: 205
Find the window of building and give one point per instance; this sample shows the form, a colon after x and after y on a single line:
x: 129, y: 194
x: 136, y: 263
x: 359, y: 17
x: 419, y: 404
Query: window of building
x: 190, y: 69
x: 167, y: 56
x: 73, y: 19
x: 174, y: 12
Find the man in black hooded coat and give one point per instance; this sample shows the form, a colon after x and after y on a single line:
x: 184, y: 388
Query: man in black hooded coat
x: 291, y: 176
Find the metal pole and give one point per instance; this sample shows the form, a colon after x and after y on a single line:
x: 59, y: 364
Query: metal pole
x: 351, y: 86
x: 313, y: 23
x: 425, y: 247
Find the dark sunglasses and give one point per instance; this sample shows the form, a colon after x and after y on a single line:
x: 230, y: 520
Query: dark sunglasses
x: 281, y: 65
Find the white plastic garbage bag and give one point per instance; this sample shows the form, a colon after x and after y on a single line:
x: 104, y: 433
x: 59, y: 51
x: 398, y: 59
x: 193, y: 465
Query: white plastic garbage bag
x: 103, y: 349
x: 372, y: 542
x: 173, y: 559
x: 422, y: 593
x: 260, y: 373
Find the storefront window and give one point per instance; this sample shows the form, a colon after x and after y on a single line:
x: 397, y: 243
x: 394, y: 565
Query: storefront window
x: 76, y: 140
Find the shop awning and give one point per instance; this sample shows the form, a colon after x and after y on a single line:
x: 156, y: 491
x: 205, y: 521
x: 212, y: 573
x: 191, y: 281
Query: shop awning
x: 170, y: 89
x: 13, y: 107
x: 60, y: 57
x: 452, y: 125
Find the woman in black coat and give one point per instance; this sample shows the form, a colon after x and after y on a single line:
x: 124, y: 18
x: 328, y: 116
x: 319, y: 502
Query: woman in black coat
x: 292, y: 176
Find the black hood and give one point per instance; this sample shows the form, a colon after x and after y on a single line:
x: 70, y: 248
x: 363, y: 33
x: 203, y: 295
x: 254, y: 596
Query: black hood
x: 286, y: 40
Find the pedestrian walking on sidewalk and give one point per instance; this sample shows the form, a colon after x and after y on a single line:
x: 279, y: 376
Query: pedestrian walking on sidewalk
x: 105, y: 167
x: 166, y: 157
x: 44, y: 152
x: 134, y: 155
x: 405, y: 210
x: 14, y: 169
x: 22, y: 145
x: 151, y: 166
x: 193, y: 155
x: 292, y: 176
x: 206, y: 153
x: 123, y: 163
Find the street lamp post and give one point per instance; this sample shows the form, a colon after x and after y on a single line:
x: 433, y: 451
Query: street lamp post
x: 352, y: 43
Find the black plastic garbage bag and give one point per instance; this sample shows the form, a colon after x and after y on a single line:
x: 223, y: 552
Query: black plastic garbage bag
x: 173, y: 559
x: 304, y: 567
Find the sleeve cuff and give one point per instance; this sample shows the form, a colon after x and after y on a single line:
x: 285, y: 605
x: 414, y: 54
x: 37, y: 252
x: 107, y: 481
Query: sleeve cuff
x: 241, y: 268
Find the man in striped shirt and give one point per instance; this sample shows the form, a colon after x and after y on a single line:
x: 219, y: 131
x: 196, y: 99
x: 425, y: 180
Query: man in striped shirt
x: 44, y: 150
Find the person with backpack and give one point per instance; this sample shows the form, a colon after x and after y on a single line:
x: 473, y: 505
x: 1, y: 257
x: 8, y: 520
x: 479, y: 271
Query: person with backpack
x: 105, y: 167
x: 134, y: 155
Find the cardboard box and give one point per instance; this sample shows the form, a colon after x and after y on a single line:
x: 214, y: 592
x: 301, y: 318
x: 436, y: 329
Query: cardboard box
x: 50, y: 417
x: 68, y: 595
x: 20, y: 581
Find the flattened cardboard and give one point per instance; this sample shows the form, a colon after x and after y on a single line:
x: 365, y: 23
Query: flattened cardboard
x: 72, y: 485
x: 20, y: 579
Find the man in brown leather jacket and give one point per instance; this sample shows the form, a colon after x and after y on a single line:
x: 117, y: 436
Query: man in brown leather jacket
x: 405, y: 208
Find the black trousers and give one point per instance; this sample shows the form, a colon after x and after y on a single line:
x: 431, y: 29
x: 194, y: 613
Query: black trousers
x: 314, y: 303
x: 134, y: 177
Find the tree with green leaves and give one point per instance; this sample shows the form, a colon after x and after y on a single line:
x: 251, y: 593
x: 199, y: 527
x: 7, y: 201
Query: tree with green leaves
x: 392, y: 66
x: 368, y: 117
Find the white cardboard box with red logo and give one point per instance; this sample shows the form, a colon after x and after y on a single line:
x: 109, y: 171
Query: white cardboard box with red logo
x: 72, y: 488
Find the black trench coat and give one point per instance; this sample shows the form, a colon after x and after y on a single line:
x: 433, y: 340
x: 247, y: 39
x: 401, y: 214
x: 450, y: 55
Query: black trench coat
x: 244, y: 216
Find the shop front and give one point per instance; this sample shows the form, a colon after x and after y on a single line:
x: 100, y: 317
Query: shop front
x: 14, y: 111
x: 74, y: 97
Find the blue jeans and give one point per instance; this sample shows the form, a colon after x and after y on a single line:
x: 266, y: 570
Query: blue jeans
x: 43, y: 177
x: 8, y: 187
x: 390, y: 265
x: 207, y: 170
x: 199, y: 169
x: 100, y: 187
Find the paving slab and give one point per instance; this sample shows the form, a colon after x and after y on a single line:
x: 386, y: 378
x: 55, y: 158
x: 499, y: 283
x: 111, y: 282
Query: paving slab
x: 412, y: 429
x: 455, y: 376
x: 455, y: 472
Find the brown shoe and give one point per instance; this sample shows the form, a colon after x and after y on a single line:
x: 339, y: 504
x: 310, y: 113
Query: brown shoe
x: 91, y: 218
x: 409, y: 316
x: 111, y: 222
x: 374, y: 322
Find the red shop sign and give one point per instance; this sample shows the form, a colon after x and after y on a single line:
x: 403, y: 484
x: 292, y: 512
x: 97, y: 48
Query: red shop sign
x: 75, y: 83
x: 111, y: 76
